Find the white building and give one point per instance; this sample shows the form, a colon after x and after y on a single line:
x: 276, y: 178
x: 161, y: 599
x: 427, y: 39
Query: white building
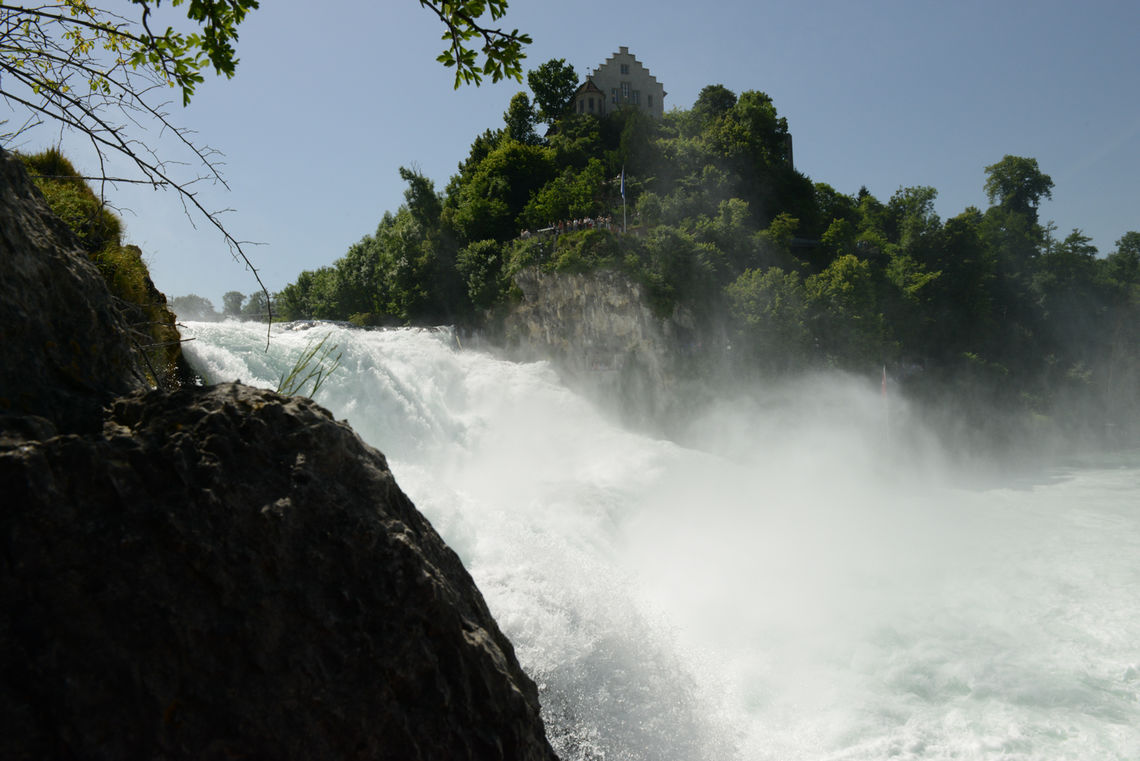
x: 622, y: 81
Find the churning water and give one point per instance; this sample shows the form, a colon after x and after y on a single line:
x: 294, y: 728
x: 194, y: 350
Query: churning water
x: 796, y: 582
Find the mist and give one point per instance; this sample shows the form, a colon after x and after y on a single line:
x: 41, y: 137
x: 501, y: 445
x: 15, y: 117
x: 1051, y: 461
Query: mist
x: 804, y: 571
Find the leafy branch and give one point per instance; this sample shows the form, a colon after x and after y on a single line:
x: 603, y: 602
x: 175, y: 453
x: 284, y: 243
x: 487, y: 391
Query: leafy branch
x: 97, y: 73
x: 502, y: 51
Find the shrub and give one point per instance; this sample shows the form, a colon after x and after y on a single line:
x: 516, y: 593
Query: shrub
x: 100, y: 234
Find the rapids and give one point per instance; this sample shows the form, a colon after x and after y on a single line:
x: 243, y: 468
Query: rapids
x: 795, y: 581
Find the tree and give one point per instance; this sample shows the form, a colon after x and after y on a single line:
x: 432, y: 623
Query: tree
x: 358, y: 273
x: 99, y: 73
x: 423, y: 202
x: 910, y: 215
x: 731, y: 231
x: 481, y: 266
x: 770, y: 310
x: 520, y: 120
x: 782, y: 230
x: 553, y: 84
x: 257, y: 307
x: 838, y: 239
x: 1123, y: 265
x: 324, y: 294
x: 193, y: 307
x: 572, y: 196
x: 636, y: 148
x: 753, y: 145
x: 962, y: 304
x: 231, y: 303
x: 313, y: 296
x: 577, y: 140
x: 1018, y: 185
x: 1070, y: 302
x: 684, y: 269
x: 847, y: 324
x: 713, y: 101
x: 488, y: 204
x: 753, y: 132
x: 832, y: 205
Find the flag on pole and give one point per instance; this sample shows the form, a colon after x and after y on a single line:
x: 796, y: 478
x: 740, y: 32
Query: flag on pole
x: 623, y: 182
x: 884, y: 387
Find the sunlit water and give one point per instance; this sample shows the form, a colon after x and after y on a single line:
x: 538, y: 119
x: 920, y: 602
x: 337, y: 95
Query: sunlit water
x: 803, y: 579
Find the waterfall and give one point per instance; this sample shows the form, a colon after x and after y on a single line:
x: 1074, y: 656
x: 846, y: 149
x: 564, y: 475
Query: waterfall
x: 792, y: 578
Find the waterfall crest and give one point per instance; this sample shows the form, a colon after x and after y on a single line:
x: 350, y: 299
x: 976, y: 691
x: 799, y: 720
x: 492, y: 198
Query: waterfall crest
x: 794, y: 581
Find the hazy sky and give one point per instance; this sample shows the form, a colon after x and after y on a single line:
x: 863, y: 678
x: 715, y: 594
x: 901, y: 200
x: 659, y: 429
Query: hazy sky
x: 331, y: 98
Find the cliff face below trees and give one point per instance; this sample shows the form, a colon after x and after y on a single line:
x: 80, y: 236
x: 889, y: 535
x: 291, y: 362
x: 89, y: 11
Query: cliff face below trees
x: 600, y: 332
x: 214, y: 572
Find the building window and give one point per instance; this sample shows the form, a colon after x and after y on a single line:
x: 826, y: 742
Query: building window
x: 649, y: 101
x: 614, y: 94
x: 637, y: 97
x: 581, y: 106
x: 625, y: 92
x: 625, y: 68
x: 591, y: 105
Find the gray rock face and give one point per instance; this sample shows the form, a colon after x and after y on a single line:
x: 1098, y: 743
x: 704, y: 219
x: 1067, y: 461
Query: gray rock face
x: 226, y: 573
x: 600, y: 332
x: 64, y: 344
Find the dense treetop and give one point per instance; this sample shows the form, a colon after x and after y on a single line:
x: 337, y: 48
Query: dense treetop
x: 103, y: 72
x: 705, y: 208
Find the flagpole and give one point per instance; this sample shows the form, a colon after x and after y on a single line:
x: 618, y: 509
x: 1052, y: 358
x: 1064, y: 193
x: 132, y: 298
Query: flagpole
x: 623, y: 226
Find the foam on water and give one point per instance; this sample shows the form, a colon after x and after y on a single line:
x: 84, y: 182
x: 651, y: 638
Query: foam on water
x: 799, y: 581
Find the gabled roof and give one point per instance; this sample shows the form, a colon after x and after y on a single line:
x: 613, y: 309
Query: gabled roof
x: 624, y: 51
x: 588, y: 87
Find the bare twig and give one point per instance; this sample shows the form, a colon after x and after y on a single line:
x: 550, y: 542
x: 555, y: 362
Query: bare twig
x: 92, y: 74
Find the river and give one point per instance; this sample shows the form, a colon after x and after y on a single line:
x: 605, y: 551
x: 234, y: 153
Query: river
x: 806, y: 576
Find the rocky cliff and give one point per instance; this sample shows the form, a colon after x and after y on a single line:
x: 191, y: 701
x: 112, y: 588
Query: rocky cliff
x: 65, y: 348
x: 600, y: 332
x: 214, y: 573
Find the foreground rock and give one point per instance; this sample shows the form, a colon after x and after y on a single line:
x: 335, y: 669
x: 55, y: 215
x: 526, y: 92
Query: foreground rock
x: 225, y: 573
x: 213, y: 573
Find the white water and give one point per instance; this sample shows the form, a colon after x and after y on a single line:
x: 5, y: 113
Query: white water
x: 790, y: 586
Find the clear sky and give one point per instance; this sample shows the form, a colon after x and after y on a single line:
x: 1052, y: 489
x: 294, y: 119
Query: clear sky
x: 330, y: 99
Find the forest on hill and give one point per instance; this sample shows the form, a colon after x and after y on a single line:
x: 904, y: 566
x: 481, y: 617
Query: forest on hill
x: 706, y: 209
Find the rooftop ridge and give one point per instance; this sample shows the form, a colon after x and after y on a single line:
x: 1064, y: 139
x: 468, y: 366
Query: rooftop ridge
x: 624, y: 50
